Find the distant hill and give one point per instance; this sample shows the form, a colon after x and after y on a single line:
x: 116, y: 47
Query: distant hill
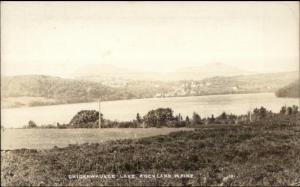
x: 34, y: 90
x: 269, y: 82
x: 36, y: 87
x: 50, y: 87
x: 291, y: 90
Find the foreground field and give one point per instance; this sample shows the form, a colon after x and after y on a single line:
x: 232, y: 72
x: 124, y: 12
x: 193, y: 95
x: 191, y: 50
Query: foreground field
x: 263, y: 153
x: 48, y: 138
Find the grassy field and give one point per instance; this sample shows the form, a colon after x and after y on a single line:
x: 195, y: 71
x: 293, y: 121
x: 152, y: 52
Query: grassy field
x: 48, y: 138
x: 262, y: 153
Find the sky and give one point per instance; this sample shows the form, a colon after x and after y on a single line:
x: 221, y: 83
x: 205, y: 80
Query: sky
x: 58, y: 38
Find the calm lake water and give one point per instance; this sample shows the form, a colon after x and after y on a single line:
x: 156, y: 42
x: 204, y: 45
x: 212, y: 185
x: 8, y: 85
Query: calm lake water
x: 127, y: 109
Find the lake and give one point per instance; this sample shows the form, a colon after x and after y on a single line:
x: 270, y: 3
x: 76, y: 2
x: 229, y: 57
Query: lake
x: 127, y: 109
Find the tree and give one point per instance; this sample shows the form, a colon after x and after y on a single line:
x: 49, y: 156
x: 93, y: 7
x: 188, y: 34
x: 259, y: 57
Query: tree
x: 256, y: 111
x: 86, y: 119
x: 260, y: 113
x: 223, y: 116
x: 187, y: 120
x: 295, y: 109
x: 32, y: 124
x: 212, y: 119
x: 179, y: 118
x: 196, y: 119
x: 283, y: 110
x: 289, y: 110
x: 158, y: 117
x: 138, y: 118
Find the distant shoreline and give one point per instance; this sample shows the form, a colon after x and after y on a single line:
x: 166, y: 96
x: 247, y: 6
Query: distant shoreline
x: 64, y: 103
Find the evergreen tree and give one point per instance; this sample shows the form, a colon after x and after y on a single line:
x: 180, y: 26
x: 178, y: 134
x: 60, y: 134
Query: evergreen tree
x: 196, y: 119
x: 138, y: 118
x: 187, y: 120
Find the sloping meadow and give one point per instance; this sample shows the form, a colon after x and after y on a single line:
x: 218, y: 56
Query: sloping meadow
x: 262, y: 153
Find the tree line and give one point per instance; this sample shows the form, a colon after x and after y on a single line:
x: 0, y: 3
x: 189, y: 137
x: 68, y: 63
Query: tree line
x: 165, y: 117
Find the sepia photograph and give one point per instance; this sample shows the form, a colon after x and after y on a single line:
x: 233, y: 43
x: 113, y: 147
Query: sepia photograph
x: 150, y: 93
